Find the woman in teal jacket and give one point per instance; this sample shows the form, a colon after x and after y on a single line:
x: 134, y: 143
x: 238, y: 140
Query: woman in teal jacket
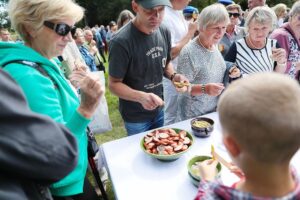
x: 45, y: 26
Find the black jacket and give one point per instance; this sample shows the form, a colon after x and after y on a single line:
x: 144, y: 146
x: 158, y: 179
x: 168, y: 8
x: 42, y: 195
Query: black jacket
x: 34, y: 150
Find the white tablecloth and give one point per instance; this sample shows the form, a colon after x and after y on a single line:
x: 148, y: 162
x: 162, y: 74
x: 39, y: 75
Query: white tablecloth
x: 137, y: 176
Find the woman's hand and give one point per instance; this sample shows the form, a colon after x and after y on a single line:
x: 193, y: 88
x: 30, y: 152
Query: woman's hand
x: 179, y: 78
x: 279, y: 55
x: 91, y: 92
x: 234, y: 72
x: 208, y: 170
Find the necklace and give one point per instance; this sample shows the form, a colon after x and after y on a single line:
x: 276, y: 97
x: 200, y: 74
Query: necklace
x: 208, y: 49
x: 251, y: 43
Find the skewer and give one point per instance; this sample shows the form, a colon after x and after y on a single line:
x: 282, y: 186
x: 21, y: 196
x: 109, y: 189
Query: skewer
x: 216, y: 156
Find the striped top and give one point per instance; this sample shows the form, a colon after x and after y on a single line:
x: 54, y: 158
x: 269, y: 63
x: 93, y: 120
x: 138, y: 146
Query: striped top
x: 251, y: 60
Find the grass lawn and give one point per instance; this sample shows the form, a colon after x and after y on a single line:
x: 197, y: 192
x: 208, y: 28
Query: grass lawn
x: 118, y: 130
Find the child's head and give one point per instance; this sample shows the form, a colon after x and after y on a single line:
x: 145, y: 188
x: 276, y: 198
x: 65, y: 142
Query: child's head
x: 262, y: 113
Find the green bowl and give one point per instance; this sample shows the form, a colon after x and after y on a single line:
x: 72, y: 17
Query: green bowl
x: 195, y: 182
x: 169, y: 157
x: 199, y: 159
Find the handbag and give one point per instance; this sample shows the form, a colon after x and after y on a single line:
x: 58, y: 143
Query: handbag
x: 100, y: 121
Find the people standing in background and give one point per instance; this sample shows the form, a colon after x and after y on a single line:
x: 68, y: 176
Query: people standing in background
x: 281, y: 13
x: 252, y: 4
x: 288, y: 36
x: 103, y: 33
x: 124, y: 17
x: 91, y: 45
x: 112, y: 28
x: 99, y: 42
x: 190, y: 13
x: 181, y: 33
x: 89, y: 59
x: 233, y: 31
x: 140, y: 55
x: 5, y: 35
x: 255, y: 3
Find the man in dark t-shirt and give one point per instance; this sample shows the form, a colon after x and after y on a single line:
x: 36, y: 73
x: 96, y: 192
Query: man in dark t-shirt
x: 139, y: 58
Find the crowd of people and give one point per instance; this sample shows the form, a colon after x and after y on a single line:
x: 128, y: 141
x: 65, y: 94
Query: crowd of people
x: 167, y: 62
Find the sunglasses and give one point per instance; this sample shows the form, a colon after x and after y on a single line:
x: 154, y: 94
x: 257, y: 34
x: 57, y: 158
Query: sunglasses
x: 61, y: 29
x: 235, y: 15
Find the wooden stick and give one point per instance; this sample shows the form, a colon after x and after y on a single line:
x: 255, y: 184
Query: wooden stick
x: 216, y: 156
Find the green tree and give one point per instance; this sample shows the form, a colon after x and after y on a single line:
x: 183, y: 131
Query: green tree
x: 4, y: 18
x: 103, y: 11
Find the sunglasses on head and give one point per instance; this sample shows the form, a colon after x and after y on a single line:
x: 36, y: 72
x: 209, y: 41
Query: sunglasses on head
x: 61, y: 28
x: 234, y: 15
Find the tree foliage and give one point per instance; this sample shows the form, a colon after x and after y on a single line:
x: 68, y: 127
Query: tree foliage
x: 4, y: 19
x: 103, y: 11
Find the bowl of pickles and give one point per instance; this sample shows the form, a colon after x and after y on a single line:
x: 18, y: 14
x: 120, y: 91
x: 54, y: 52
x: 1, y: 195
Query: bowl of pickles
x: 202, y: 126
x: 194, y: 169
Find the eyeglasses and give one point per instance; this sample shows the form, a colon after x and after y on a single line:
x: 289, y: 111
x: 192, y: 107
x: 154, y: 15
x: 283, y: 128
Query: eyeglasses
x: 235, y: 15
x: 61, y: 29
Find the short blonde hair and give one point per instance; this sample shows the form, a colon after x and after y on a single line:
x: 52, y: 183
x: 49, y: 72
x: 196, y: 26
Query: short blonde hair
x: 213, y: 14
x: 279, y: 9
x: 261, y: 15
x: 33, y: 13
x: 261, y: 112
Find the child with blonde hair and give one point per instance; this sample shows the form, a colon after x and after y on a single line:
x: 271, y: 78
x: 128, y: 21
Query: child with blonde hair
x: 259, y: 116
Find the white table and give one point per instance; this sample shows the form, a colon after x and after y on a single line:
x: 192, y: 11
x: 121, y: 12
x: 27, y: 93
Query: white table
x: 136, y: 176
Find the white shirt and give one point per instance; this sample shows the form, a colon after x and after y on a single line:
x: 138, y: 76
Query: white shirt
x: 177, y: 25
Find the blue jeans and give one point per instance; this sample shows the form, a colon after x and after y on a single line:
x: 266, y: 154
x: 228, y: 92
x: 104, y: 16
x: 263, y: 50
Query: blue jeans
x: 135, y: 128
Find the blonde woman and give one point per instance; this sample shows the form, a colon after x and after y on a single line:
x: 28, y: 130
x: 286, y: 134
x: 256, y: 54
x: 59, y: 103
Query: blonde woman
x: 281, y: 12
x: 45, y: 27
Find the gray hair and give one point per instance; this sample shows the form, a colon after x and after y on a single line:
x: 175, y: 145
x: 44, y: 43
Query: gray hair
x: 261, y: 15
x: 33, y: 13
x: 213, y: 14
x: 295, y: 10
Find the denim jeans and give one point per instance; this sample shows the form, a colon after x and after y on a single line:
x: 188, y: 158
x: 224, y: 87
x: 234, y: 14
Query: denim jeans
x: 135, y: 128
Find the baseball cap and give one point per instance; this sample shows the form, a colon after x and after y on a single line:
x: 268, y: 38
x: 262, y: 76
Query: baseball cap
x: 226, y: 2
x: 190, y: 10
x: 148, y: 4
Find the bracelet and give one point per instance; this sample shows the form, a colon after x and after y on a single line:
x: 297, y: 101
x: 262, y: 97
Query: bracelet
x: 172, y: 76
x: 203, y: 88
